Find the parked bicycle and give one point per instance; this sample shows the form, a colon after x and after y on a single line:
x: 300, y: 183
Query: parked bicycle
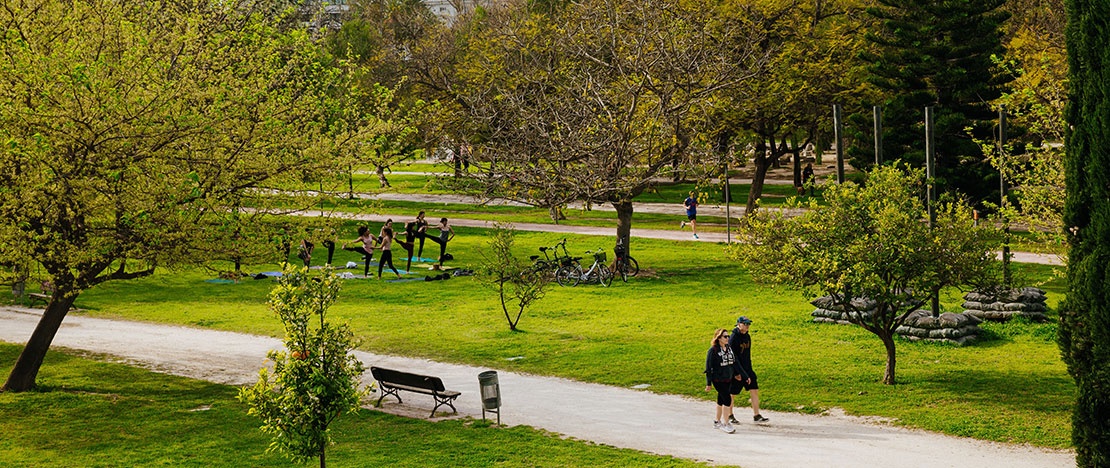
x: 623, y: 264
x: 549, y: 264
x: 572, y: 274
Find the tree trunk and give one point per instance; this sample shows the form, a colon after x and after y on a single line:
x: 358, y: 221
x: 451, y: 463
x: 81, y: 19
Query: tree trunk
x: 350, y: 182
x: 556, y: 213
x: 323, y: 454
x: 382, y: 181
x: 26, y: 368
x: 935, y: 301
x: 762, y: 164
x: 888, y: 342
x: 624, y: 223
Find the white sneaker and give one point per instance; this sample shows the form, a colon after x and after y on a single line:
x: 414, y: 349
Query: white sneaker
x: 727, y: 428
x: 716, y: 424
x: 682, y: 225
x: 695, y: 236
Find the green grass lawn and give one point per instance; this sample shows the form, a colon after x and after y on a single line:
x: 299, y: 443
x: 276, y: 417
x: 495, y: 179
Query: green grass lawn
x: 655, y: 330
x: 90, y: 413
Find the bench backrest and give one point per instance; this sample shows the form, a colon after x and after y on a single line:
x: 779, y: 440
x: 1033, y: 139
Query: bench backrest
x: 407, y: 379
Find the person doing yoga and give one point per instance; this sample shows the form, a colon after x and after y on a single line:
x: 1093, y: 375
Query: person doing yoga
x: 366, y: 249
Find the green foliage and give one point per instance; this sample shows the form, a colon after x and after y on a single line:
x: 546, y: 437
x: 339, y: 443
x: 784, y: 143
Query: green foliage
x: 516, y: 282
x: 316, y: 379
x: 871, y: 242
x: 1085, y: 318
x: 940, y: 54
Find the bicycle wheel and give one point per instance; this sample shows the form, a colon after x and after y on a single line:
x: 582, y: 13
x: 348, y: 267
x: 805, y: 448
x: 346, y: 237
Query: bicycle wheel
x: 604, y: 275
x: 633, y: 266
x: 620, y: 267
x: 568, y: 275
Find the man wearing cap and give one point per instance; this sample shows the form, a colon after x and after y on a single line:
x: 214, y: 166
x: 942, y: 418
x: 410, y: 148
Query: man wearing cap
x: 741, y: 343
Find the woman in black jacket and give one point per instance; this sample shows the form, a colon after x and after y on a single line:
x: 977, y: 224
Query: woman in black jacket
x: 721, y: 368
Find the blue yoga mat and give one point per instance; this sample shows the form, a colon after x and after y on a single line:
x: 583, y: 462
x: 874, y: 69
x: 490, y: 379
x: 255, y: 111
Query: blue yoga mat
x: 219, y: 281
x: 275, y: 274
x: 422, y: 260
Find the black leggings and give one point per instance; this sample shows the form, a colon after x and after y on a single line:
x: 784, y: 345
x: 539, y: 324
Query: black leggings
x: 421, y: 236
x: 369, y: 256
x: 387, y: 257
x: 724, y: 398
x: 331, y: 249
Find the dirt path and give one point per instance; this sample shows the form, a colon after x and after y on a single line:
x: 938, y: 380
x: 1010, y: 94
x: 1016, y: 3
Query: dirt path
x: 620, y: 417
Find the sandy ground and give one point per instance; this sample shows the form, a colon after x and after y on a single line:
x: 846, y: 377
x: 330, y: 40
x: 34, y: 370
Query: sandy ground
x: 620, y: 417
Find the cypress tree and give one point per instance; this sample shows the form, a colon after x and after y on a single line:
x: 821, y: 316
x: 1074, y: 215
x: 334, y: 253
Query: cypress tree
x: 937, y: 53
x: 1084, y: 333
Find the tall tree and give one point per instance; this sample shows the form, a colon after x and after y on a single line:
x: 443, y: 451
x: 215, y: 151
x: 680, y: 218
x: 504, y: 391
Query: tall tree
x: 938, y: 53
x: 1084, y: 333
x: 870, y: 244
x: 812, y: 63
x: 594, y: 100
x: 129, y: 129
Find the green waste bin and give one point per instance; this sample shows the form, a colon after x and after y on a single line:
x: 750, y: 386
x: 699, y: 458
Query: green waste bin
x: 490, y: 390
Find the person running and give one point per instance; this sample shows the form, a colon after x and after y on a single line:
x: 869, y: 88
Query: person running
x: 387, y: 252
x: 721, y: 369
x: 741, y: 344
x: 691, y: 204
x: 421, y: 232
x: 366, y: 249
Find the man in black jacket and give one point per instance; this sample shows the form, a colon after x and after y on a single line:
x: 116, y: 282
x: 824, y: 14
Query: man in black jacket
x: 741, y: 343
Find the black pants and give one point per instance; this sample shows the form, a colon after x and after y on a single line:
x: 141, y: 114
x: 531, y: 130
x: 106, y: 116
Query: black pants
x: 422, y: 236
x: 442, y: 246
x: 387, y: 257
x: 331, y: 249
x: 724, y: 398
x: 369, y: 256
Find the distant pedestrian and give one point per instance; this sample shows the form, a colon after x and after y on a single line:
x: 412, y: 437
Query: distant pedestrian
x: 721, y: 369
x: 691, y: 204
x: 807, y: 178
x: 741, y: 344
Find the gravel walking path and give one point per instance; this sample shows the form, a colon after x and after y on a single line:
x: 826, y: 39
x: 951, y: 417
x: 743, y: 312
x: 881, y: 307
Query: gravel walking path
x: 621, y: 417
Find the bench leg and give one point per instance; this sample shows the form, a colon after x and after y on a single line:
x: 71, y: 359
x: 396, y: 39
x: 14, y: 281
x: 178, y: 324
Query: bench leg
x: 440, y: 401
x: 387, y: 392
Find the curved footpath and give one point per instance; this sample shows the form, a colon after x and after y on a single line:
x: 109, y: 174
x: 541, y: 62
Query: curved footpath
x: 636, y: 419
x: 676, y: 235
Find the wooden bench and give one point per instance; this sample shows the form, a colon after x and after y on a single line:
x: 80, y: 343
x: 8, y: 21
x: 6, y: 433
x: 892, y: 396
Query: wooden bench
x: 35, y: 297
x: 47, y: 292
x: 392, y: 381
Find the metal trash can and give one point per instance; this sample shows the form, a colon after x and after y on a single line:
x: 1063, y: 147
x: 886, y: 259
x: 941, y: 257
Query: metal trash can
x: 490, y: 390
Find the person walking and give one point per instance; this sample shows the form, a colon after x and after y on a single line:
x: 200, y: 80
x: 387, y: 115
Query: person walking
x: 387, y: 252
x: 691, y: 204
x: 721, y: 369
x: 807, y: 178
x: 740, y: 342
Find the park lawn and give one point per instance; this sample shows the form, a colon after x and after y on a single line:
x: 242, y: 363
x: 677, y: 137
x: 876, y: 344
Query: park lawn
x: 92, y: 413
x: 655, y: 329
